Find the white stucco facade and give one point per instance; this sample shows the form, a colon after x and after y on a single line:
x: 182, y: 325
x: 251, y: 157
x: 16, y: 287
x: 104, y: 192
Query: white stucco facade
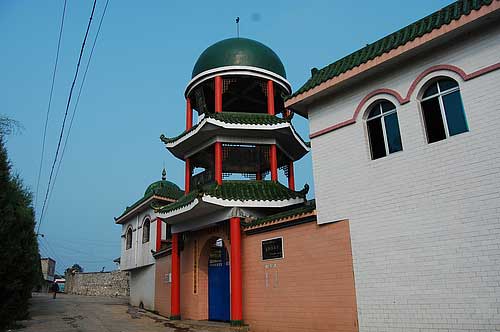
x: 138, y: 259
x: 425, y: 221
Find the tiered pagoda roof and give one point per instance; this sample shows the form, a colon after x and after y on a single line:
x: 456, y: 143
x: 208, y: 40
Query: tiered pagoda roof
x: 250, y: 125
x: 234, y: 193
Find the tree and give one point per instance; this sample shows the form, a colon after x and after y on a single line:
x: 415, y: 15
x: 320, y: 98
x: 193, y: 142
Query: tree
x: 20, y: 270
x: 76, y: 268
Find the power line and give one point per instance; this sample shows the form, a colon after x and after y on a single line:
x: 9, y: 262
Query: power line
x: 77, y: 102
x: 65, y: 116
x: 50, y: 101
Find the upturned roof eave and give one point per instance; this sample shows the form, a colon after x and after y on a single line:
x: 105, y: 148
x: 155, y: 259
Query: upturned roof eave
x: 182, y: 146
x: 140, y: 206
x: 183, y: 213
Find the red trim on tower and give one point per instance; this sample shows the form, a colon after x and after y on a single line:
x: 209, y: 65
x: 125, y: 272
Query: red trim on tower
x: 189, y: 114
x: 218, y: 94
x: 236, y: 282
x: 291, y: 176
x: 218, y: 162
x: 273, y: 156
x: 270, y: 97
x: 187, y: 179
x: 175, y: 295
x: 158, y: 233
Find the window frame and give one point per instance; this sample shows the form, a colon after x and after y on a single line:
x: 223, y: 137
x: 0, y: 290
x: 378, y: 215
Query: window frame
x: 127, y: 246
x: 439, y: 95
x: 381, y: 116
x: 146, y: 220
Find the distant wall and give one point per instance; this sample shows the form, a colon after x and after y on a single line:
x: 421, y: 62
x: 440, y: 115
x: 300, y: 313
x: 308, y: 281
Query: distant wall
x: 115, y: 283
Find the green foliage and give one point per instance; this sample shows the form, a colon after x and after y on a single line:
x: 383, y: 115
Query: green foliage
x: 76, y: 268
x: 20, y: 269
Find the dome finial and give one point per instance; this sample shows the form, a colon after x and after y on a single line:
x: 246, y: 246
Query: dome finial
x: 238, y: 27
x: 164, y: 174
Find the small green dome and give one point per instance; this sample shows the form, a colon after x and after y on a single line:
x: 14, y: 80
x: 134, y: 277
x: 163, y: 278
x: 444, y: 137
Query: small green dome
x: 239, y: 52
x: 164, y: 188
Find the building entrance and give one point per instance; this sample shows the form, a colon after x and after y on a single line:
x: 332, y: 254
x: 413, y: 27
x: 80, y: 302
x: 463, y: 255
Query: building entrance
x: 218, y: 283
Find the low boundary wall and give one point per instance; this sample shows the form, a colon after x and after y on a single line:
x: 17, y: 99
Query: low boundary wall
x: 114, y: 283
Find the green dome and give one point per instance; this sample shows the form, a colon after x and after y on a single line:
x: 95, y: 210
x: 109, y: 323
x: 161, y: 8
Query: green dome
x: 239, y: 52
x: 164, y: 188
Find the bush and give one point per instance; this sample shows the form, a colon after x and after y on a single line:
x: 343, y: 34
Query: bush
x: 20, y: 261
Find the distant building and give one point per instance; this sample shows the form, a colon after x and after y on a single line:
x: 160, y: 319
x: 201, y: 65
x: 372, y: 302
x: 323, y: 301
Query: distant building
x: 48, y: 268
x: 48, y: 271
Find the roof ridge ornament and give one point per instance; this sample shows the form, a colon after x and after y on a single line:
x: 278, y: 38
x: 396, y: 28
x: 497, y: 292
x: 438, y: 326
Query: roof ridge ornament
x: 164, y: 174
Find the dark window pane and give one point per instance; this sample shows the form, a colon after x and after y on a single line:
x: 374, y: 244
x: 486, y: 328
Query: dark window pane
x: 376, y: 138
x: 387, y: 106
x: 431, y: 90
x: 375, y: 111
x: 447, y: 84
x: 392, y: 131
x: 433, y: 120
x: 455, y: 115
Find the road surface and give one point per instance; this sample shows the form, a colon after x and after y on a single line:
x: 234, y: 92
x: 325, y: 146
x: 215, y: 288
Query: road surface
x: 73, y: 313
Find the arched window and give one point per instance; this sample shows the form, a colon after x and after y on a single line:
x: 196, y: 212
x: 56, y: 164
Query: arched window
x: 383, y: 129
x: 443, y: 110
x: 128, y: 239
x: 145, y: 230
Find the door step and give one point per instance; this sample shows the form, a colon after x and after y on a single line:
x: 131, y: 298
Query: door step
x: 204, y: 325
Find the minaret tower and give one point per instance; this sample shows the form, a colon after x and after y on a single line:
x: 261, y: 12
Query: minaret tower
x: 242, y: 138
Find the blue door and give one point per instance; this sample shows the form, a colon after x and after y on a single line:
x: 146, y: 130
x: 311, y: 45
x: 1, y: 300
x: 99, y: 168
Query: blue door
x: 218, y: 284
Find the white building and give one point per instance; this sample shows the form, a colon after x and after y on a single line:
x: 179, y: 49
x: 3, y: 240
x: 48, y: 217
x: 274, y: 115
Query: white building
x: 405, y: 138
x: 142, y: 235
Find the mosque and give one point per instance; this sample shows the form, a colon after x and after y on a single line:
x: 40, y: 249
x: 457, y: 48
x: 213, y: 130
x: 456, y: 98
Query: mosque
x: 404, y: 232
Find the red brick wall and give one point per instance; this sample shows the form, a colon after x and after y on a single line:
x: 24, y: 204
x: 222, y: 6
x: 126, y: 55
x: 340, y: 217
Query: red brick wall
x: 310, y: 289
x: 162, y: 287
x: 195, y: 305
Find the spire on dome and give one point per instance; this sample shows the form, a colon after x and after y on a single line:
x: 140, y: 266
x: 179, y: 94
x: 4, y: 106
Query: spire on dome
x: 164, y: 174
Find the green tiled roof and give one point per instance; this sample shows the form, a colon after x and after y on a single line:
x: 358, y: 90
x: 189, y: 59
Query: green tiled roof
x: 255, y: 191
x: 164, y: 188
x: 305, y: 208
x: 234, y: 118
x: 161, y: 188
x: 183, y: 201
x: 421, y: 27
x: 241, y: 190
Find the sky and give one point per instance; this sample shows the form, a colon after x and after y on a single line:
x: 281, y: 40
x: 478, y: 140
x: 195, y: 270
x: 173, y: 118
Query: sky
x: 134, y: 91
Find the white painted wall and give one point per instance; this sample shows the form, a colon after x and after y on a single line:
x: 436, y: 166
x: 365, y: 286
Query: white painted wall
x: 139, y: 260
x: 425, y: 222
x: 142, y: 286
x: 140, y: 253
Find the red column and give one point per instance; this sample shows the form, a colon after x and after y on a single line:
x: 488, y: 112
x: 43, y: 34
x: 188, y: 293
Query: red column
x: 258, y: 176
x: 175, y: 294
x: 187, y: 180
x: 158, y: 233
x: 270, y: 97
x: 218, y: 94
x: 273, y: 156
x: 291, y: 176
x: 236, y: 282
x: 189, y: 114
x: 218, y: 162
